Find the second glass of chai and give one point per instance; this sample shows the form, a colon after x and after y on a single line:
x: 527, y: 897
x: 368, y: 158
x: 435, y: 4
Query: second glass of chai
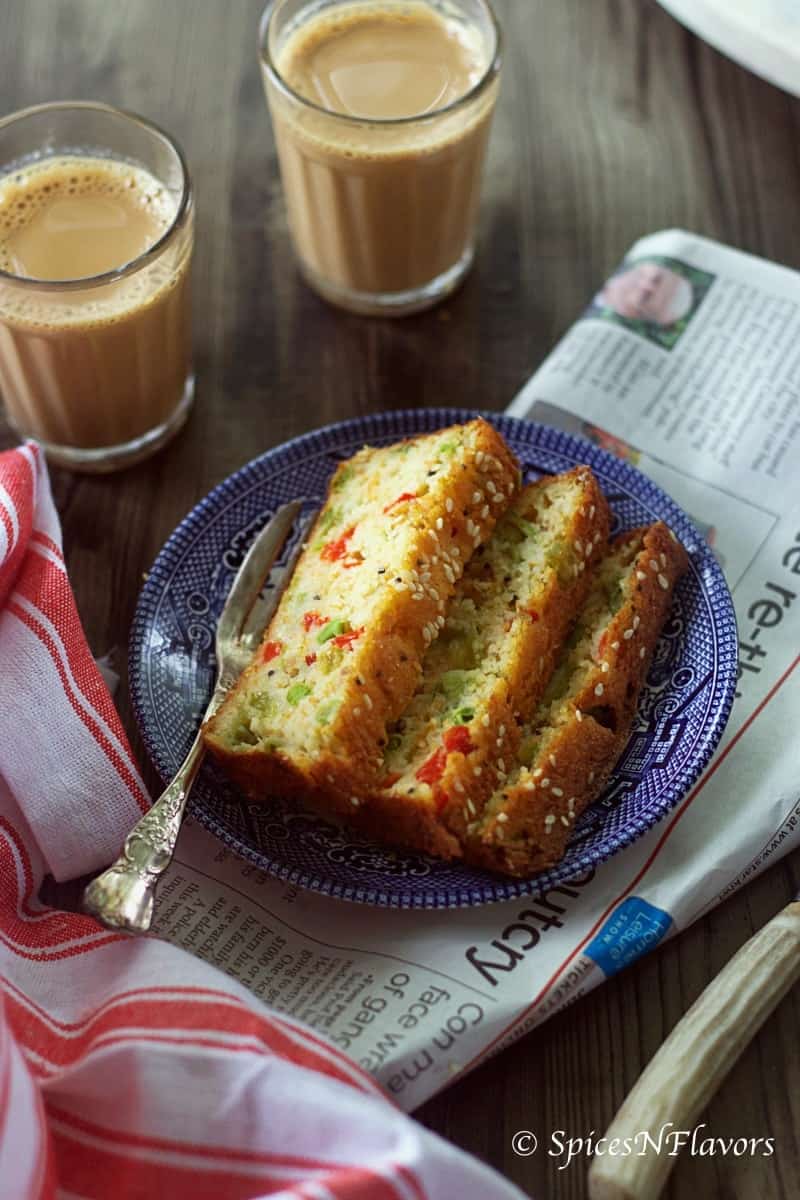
x: 96, y: 232
x: 381, y: 111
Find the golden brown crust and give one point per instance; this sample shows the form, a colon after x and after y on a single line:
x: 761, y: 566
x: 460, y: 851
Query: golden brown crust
x: 531, y: 828
x: 386, y: 662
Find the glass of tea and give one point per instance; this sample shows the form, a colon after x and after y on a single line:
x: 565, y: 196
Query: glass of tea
x: 96, y: 236
x: 381, y: 112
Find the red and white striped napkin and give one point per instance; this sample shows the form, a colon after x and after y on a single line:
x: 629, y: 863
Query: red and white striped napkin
x: 127, y: 1067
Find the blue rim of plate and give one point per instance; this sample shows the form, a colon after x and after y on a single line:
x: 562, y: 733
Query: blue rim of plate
x: 682, y: 714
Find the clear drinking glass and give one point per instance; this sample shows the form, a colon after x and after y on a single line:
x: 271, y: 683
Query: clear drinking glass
x: 382, y: 213
x: 97, y: 367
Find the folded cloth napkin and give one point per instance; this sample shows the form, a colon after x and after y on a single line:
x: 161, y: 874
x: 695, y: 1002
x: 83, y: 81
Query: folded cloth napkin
x: 128, y: 1068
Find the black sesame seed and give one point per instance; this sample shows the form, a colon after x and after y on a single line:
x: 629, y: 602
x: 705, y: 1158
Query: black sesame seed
x: 381, y: 570
x: 270, y: 673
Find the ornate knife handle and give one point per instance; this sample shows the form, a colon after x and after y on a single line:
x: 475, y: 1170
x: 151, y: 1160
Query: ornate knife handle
x: 122, y: 897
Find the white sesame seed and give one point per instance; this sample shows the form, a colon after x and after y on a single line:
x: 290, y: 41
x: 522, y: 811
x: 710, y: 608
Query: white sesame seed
x: 502, y: 816
x: 663, y: 558
x: 367, y: 700
x: 491, y: 489
x: 465, y: 814
x: 426, y: 635
x: 551, y: 758
x: 592, y: 511
x: 653, y: 565
x: 434, y: 559
x: 477, y: 541
x: 545, y: 783
x: 641, y: 575
x: 637, y: 620
x: 662, y: 579
x: 564, y: 820
x: 499, y: 833
x: 471, y: 807
x: 454, y: 550
x: 578, y: 715
x: 485, y: 512
x: 598, y: 691
x: 628, y: 634
x: 589, y: 550
x: 549, y: 820
x: 578, y: 544
x: 557, y: 791
x: 356, y: 712
x: 434, y: 595
x: 604, y: 667
x: 538, y: 773
x: 354, y: 800
x: 477, y: 497
x: 571, y: 805
x: 439, y: 523
x: 498, y: 498
x: 615, y: 645
x: 499, y: 743
x: 501, y: 764
x: 477, y: 771
x: 502, y: 731
x: 440, y: 621
x: 597, y: 537
x: 448, y: 504
x: 485, y: 720
x: 479, y: 457
x: 459, y: 786
x: 591, y: 777
x: 642, y: 652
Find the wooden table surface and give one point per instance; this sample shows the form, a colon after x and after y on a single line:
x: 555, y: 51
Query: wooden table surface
x: 613, y: 122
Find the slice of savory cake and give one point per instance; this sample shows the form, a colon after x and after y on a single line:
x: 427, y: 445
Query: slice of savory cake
x: 580, y: 728
x: 511, y: 611
x: 341, y: 656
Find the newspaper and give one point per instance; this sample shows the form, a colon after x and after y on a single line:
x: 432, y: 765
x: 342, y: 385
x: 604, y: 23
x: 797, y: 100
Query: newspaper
x: 691, y: 350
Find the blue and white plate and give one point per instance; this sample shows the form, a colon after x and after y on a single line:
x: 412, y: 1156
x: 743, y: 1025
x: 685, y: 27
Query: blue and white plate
x: 682, y: 711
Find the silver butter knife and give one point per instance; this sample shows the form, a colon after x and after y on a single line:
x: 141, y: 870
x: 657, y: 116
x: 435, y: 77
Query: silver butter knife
x: 122, y: 897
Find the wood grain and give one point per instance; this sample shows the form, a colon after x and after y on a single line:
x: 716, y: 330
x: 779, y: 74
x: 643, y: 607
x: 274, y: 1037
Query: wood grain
x: 613, y: 122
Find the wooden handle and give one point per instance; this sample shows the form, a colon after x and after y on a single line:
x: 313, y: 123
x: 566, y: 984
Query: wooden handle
x: 679, y: 1082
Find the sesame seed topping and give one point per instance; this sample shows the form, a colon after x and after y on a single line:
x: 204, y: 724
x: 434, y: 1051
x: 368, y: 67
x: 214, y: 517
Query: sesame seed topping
x: 642, y: 652
x: 498, y: 498
x: 551, y: 758
x: 477, y: 771
x: 564, y: 820
x: 367, y: 700
x: 615, y: 645
x: 589, y: 550
x: 641, y: 575
x: 499, y: 833
x: 356, y: 712
x: 653, y: 565
x: 491, y: 489
x: 471, y: 807
x: 502, y: 816
x: 479, y: 457
x: 578, y: 715
x: 662, y: 579
x: 459, y: 786
x: 439, y: 523
x: 628, y: 634
x: 598, y: 691
x: 510, y: 489
x: 354, y: 800
x: 637, y: 620
x: 538, y: 773
x: 549, y: 820
x: 571, y: 805
x: 591, y: 777
x: 663, y: 558
x: 604, y: 667
x: 592, y: 511
x: 485, y: 720
x: 440, y: 621
x: 448, y: 504
x: 501, y: 764
x: 485, y: 512
x: 426, y: 635
x: 557, y: 791
x: 545, y: 783
x: 477, y: 497
x: 597, y: 537
x: 456, y: 553
x: 502, y: 731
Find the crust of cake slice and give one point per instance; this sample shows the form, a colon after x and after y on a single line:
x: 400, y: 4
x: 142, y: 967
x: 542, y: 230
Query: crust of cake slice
x: 437, y: 531
x: 434, y: 816
x: 531, y: 821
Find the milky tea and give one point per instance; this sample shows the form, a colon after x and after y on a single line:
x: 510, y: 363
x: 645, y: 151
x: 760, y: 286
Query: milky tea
x: 98, y: 372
